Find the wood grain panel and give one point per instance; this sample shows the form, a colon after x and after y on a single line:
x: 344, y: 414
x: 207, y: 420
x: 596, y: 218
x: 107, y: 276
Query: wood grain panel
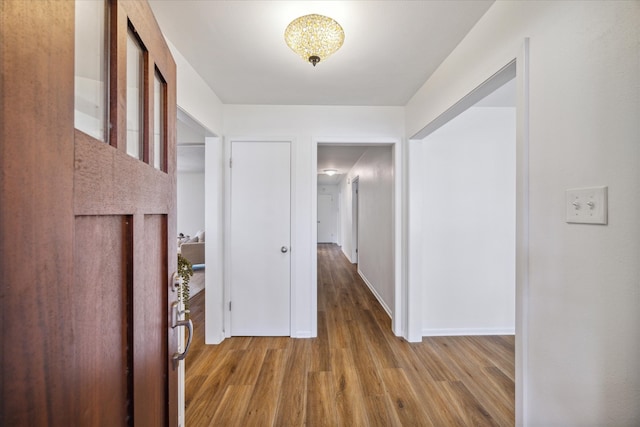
x: 320, y: 392
x: 380, y: 411
x: 406, y: 402
x: 149, y: 320
x: 291, y: 409
x: 36, y: 206
x: 368, y: 369
x: 102, y: 386
x: 108, y: 181
x: 320, y: 346
x: 213, y: 387
x: 234, y: 401
x: 349, y: 399
x: 262, y: 407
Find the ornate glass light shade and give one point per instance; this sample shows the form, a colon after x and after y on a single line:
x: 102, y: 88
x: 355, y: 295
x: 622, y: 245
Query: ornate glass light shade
x: 314, y: 37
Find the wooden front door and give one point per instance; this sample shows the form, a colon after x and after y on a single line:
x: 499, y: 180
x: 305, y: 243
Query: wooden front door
x: 87, y: 225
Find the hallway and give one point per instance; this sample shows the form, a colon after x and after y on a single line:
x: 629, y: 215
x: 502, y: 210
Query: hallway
x: 355, y: 373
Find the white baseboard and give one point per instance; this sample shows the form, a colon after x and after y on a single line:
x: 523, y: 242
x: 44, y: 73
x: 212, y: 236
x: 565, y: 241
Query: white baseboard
x: 302, y: 334
x: 375, y: 293
x: 454, y: 332
x: 346, y: 254
x: 215, y: 338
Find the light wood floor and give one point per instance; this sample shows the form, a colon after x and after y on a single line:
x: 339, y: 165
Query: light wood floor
x: 355, y: 373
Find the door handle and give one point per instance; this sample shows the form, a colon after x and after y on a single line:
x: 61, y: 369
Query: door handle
x: 177, y: 356
x: 176, y: 280
x: 284, y: 249
x: 175, y: 323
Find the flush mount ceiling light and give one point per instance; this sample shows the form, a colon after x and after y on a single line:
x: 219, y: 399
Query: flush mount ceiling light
x: 314, y: 37
x: 330, y: 172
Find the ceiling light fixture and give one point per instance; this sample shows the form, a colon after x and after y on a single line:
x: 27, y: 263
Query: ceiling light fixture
x: 314, y: 37
x: 330, y: 172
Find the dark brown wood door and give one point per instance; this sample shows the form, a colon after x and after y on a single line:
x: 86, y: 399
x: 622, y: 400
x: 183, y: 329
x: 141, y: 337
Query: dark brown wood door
x: 87, y: 227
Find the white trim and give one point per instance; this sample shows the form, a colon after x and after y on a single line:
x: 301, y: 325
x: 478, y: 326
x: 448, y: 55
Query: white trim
x: 487, y: 87
x: 346, y: 255
x: 414, y: 242
x: 522, y: 234
x: 397, y: 324
x: 503, y: 75
x: 457, y: 332
x: 313, y: 247
x: 399, y: 271
x: 293, y: 320
x: 227, y: 241
x: 194, y: 124
x: 375, y: 293
x: 355, y: 218
x: 214, y: 243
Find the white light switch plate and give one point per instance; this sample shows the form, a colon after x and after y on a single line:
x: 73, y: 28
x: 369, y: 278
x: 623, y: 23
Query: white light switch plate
x: 587, y: 205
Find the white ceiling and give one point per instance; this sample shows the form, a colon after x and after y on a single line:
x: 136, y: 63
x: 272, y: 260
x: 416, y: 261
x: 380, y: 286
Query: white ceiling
x: 339, y: 157
x: 390, y: 48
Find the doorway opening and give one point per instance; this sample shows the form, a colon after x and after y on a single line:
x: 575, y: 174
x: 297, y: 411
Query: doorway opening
x: 366, y: 198
x: 517, y: 68
x: 191, y: 196
x: 191, y: 211
x: 469, y: 220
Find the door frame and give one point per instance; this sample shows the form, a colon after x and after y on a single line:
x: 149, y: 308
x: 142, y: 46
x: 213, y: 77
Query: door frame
x: 355, y: 219
x: 517, y: 64
x: 400, y: 294
x: 226, y: 294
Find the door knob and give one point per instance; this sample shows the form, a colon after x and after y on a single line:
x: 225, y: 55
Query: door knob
x: 284, y: 249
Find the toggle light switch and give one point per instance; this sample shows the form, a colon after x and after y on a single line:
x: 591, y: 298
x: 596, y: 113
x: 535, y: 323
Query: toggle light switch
x: 587, y: 205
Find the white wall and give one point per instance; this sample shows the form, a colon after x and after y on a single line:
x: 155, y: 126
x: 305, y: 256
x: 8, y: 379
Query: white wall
x: 190, y: 202
x: 334, y: 191
x: 302, y: 124
x: 375, y: 174
x: 469, y: 225
x: 195, y: 96
x: 583, y: 343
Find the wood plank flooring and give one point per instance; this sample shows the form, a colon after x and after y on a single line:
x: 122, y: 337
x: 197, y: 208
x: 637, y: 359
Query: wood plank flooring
x: 355, y: 373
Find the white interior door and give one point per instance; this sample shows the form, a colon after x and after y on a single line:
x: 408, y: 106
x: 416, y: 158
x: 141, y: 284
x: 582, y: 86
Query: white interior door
x: 326, y: 219
x: 260, y: 238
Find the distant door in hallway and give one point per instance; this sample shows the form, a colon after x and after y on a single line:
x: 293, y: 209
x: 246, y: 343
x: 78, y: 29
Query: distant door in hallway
x: 260, y: 238
x: 326, y: 219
